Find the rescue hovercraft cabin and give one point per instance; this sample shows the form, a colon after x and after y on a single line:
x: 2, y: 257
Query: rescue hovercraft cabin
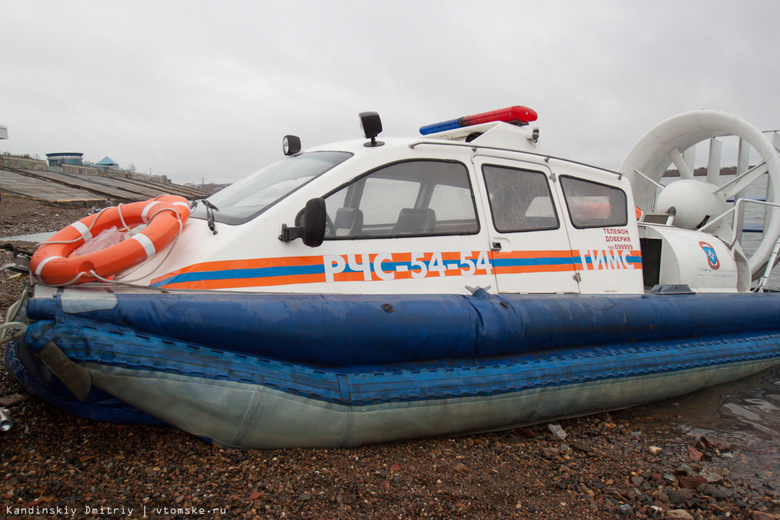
x: 387, y: 288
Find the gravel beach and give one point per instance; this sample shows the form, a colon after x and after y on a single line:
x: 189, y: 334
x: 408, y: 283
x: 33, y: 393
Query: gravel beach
x: 619, y: 465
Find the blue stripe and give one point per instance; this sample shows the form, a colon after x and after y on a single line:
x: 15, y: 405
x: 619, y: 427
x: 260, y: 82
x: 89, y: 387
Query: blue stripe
x: 514, y: 262
x: 231, y: 274
x: 266, y: 272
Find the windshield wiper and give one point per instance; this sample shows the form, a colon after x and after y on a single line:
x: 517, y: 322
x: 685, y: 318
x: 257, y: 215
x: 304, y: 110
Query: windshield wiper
x: 210, y: 209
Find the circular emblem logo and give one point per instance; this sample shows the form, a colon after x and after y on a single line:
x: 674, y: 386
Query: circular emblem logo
x: 712, y: 256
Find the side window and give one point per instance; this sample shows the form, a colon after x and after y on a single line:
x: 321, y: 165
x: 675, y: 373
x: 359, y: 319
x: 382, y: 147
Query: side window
x: 594, y: 205
x: 413, y: 198
x: 520, y: 200
x: 394, y: 194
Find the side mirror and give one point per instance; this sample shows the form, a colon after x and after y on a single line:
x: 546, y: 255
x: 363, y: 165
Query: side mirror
x: 309, y: 224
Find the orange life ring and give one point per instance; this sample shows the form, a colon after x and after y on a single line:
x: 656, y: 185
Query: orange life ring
x: 164, y: 216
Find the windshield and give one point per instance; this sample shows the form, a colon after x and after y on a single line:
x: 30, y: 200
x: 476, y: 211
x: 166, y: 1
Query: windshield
x: 244, y: 200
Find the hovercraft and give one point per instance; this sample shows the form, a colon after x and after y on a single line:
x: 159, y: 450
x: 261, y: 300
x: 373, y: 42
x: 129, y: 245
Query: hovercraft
x: 379, y: 290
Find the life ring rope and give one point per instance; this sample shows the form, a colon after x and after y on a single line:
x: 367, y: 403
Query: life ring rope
x: 135, y: 251
x: 135, y: 237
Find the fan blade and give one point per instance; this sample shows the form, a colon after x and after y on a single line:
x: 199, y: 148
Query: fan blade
x: 713, y: 163
x: 682, y: 166
x: 740, y: 182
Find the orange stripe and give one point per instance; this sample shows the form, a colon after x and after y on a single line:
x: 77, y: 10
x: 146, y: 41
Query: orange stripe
x: 235, y: 283
x: 251, y: 263
x: 534, y: 254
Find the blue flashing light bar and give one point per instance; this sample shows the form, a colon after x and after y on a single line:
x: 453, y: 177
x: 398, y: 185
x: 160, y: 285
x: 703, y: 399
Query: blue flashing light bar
x: 452, y: 124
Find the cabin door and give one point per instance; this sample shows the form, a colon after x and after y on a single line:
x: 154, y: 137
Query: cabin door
x: 529, y: 242
x: 409, y: 227
x: 603, y: 235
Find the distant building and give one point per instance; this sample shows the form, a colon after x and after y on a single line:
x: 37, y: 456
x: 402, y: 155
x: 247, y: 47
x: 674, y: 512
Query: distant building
x: 58, y: 159
x: 106, y: 163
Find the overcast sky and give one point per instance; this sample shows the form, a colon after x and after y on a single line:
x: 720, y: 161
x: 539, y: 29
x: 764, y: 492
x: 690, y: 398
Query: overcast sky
x: 201, y: 89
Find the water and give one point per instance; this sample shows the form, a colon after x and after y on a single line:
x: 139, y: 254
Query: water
x: 743, y: 416
x: 744, y: 413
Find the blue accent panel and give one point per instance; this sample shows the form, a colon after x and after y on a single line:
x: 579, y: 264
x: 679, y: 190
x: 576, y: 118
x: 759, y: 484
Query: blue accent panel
x: 375, y: 384
x: 343, y: 330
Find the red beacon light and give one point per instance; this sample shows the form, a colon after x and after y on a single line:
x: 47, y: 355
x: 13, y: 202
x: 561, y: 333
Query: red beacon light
x: 516, y: 115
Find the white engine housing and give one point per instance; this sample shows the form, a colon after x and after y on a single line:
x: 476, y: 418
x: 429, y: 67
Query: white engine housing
x: 699, y: 260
